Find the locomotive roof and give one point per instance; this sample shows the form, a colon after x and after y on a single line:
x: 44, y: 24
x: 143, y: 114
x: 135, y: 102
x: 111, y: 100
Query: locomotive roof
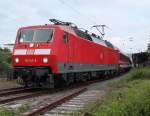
x: 73, y: 30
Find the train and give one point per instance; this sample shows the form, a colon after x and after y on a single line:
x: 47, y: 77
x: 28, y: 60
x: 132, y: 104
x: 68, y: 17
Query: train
x: 60, y: 53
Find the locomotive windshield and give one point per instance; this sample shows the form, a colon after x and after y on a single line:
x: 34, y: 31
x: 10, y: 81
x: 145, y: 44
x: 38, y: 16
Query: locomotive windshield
x: 36, y: 35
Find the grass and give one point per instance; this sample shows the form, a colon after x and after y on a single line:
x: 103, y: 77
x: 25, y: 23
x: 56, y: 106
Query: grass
x: 5, y: 83
x: 23, y: 108
x: 129, y: 96
x: 6, y: 112
x: 14, y: 112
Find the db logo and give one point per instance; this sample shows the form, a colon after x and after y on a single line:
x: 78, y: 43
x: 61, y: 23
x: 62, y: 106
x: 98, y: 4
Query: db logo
x: 30, y: 52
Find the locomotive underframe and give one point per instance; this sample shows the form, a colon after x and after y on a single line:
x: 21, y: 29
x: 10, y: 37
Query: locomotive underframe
x: 43, y: 76
x: 33, y: 76
x: 76, y: 67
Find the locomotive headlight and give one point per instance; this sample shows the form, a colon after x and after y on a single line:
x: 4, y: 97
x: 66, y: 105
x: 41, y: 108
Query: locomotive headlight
x: 31, y: 45
x: 17, y: 60
x: 45, y: 60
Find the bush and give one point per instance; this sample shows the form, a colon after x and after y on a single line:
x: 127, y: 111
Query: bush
x: 135, y: 74
x: 133, y: 101
x: 4, y: 67
x: 128, y: 97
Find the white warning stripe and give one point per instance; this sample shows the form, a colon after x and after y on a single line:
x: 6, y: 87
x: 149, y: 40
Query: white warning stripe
x: 32, y: 52
x: 42, y: 51
x: 20, y: 52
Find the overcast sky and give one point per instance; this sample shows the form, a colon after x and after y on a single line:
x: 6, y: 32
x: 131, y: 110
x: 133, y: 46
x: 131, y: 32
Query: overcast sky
x: 125, y: 18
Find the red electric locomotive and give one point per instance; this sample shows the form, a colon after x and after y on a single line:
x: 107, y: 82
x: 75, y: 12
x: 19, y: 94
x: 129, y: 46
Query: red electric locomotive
x: 60, y: 53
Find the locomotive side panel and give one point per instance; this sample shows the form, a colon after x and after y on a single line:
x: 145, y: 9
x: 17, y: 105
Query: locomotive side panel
x: 83, y: 55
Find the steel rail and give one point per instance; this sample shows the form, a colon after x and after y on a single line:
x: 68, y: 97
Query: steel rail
x: 9, y: 89
x: 21, y: 90
x: 54, y: 104
x: 23, y: 97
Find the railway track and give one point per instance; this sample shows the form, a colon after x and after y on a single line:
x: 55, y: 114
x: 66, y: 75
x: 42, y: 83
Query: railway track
x: 11, y: 98
x: 17, y: 91
x: 9, y: 89
x: 57, y: 105
x: 68, y: 104
x: 26, y: 93
x: 75, y: 104
x: 13, y: 94
x: 54, y: 103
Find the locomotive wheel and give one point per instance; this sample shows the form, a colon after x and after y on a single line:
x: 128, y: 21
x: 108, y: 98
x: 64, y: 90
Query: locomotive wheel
x: 77, y: 77
x: 56, y: 81
x: 106, y: 74
x: 89, y: 76
x: 25, y: 81
x: 61, y: 80
x: 66, y: 79
x: 20, y: 80
x: 84, y: 77
x: 69, y: 78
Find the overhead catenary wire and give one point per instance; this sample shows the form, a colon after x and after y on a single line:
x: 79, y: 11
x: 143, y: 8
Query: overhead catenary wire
x: 91, y: 20
x: 87, y: 17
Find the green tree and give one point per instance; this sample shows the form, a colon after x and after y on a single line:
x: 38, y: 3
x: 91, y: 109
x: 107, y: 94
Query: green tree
x: 5, y: 60
x: 148, y: 53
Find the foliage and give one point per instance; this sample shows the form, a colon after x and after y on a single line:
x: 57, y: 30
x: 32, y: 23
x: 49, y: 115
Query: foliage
x: 5, y: 55
x: 23, y: 108
x: 18, y: 112
x: 5, y: 60
x: 128, y: 97
x: 6, y: 112
x: 4, y: 67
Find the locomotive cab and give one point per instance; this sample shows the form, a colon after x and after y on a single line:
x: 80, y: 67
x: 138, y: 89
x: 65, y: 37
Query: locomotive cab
x: 34, y: 54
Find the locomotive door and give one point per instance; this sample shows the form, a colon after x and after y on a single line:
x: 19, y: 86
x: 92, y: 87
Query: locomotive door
x: 71, y: 51
x: 70, y: 48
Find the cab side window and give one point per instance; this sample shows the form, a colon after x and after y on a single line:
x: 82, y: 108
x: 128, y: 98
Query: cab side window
x: 65, y: 37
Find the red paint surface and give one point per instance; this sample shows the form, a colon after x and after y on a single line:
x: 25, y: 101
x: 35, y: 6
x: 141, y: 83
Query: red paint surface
x: 77, y: 50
